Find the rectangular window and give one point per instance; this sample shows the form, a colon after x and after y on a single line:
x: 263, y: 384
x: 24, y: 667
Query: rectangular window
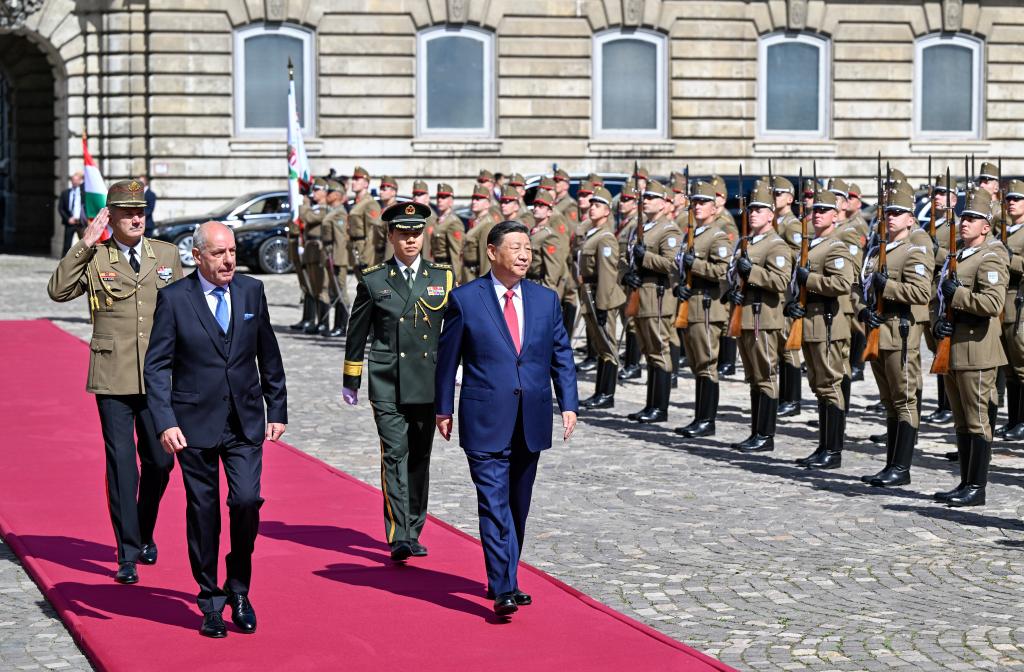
x: 629, y: 84
x: 947, y: 90
x: 794, y: 97
x: 261, y: 60
x: 455, y: 82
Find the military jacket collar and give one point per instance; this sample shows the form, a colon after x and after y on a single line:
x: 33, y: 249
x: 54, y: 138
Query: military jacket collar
x: 1014, y: 228
x: 893, y: 245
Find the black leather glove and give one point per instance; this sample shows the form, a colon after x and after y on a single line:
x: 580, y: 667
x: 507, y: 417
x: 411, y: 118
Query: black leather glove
x: 943, y: 328
x: 688, y: 259
x: 639, y: 250
x: 801, y: 275
x: 870, y: 318
x: 602, y: 317
x: 878, y: 280
x: 948, y: 288
x: 632, y: 279
x: 794, y: 310
x: 735, y: 297
x: 682, y: 292
x: 744, y: 266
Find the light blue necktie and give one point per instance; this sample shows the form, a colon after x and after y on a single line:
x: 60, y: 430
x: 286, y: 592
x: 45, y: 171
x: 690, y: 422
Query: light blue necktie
x: 221, y: 311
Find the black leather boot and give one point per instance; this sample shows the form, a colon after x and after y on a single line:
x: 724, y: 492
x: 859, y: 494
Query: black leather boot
x: 963, y: 448
x: 606, y: 393
x: 857, y: 344
x: 320, y: 316
x: 764, y: 435
x: 835, y: 426
x: 804, y: 461
x: 973, y: 494
x: 890, y: 448
x: 726, y: 356
x: 700, y: 390
x: 942, y: 414
x: 307, y: 315
x: 790, y: 387
x: 662, y: 391
x: 682, y: 348
x: 898, y: 472
x: 650, y: 396
x: 1015, y: 392
x: 845, y: 386
x: 1012, y: 419
x: 673, y: 352
x: 707, y: 407
x: 340, y: 320
x: 755, y: 398
x: 588, y: 364
x: 631, y: 361
x: 598, y: 384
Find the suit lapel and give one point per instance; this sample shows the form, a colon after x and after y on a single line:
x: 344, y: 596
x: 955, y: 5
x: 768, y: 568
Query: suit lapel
x: 205, y: 316
x: 397, y: 280
x: 490, y: 300
x: 526, y: 288
x: 237, y: 314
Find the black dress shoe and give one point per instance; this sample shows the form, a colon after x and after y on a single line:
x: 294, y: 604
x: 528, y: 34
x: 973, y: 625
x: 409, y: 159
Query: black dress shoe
x: 651, y: 416
x: 857, y: 373
x: 126, y: 573
x: 875, y: 408
x: 521, y: 598
x: 505, y: 604
x: 588, y: 364
x: 697, y: 429
x: 939, y: 416
x: 242, y: 613
x: 213, y: 626
x: 401, y: 551
x: 630, y: 372
x: 148, y: 554
x: 418, y: 549
x: 788, y: 409
x: 727, y: 370
x: 826, y: 460
x: 599, y: 401
x: 760, y: 444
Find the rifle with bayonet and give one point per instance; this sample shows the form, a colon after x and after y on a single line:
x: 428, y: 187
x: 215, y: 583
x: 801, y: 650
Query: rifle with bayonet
x: 796, y: 331
x: 736, y: 319
x: 683, y: 313
x: 931, y: 201
x: 940, y: 365
x: 871, y: 348
x: 633, y: 301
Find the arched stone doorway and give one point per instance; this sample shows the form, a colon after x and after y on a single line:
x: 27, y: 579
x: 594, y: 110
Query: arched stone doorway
x: 29, y: 95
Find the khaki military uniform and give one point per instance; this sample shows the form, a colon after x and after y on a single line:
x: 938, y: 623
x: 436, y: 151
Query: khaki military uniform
x: 762, y: 318
x: 654, y: 321
x: 707, y: 314
x: 364, y: 232
x: 312, y: 273
x: 446, y: 242
x: 475, y: 262
x: 1013, y: 332
x: 568, y: 208
x: 428, y: 233
x: 335, y: 237
x: 791, y: 231
x: 121, y: 304
x: 826, y: 336
x: 563, y: 227
x: 547, y: 267
x: 599, y: 271
x: 727, y: 223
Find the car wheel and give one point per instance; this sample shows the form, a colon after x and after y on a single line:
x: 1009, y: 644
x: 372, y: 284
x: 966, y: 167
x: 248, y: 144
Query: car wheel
x: 184, y: 245
x: 273, y: 256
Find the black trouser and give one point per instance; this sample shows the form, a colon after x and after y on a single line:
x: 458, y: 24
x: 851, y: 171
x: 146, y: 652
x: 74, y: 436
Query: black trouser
x: 133, y: 501
x: 243, y: 465
x: 69, y: 238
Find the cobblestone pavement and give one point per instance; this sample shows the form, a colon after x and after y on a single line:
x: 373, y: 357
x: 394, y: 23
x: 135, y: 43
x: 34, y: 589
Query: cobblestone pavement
x: 747, y: 558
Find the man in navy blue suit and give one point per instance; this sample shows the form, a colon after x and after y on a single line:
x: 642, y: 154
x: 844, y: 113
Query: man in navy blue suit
x: 212, y: 362
x: 510, y: 338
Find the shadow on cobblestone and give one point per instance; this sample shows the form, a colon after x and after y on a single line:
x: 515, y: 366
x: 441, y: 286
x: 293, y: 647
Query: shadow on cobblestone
x: 962, y: 517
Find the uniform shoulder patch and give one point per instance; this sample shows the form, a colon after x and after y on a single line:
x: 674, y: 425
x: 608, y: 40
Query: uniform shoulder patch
x: 371, y: 269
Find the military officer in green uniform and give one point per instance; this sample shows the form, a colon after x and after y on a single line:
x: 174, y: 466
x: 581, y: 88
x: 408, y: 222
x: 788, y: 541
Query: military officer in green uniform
x: 828, y: 276
x: 599, y: 278
x: 402, y: 301
x: 1013, y: 335
x: 121, y: 276
x: 791, y: 229
x: 976, y: 293
x: 765, y: 269
x: 364, y: 223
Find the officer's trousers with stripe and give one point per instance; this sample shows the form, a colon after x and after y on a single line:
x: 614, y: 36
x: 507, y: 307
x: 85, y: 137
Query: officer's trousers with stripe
x: 406, y: 434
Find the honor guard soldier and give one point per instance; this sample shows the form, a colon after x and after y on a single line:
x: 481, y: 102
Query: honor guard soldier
x: 680, y: 202
x: 976, y: 294
x: 446, y: 241
x: 475, y: 262
x: 941, y: 197
x: 518, y: 182
x: 764, y: 271
x: 402, y: 302
x: 547, y: 267
x: 854, y: 205
x: 121, y: 276
x: 510, y: 205
x: 603, y: 297
x: 585, y: 191
x: 652, y: 272
x: 486, y: 178
x: 312, y: 264
x: 1013, y: 336
x: 988, y: 179
x: 628, y: 213
x: 706, y: 263
x: 791, y: 229
x: 335, y: 236
x: 856, y: 239
x: 564, y: 203
x: 725, y: 220
x: 421, y: 195
x: 364, y: 223
x: 904, y: 285
x: 827, y: 277
x: 387, y: 192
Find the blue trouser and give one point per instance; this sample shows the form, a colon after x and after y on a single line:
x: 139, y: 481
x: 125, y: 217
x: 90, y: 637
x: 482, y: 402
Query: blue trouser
x: 504, y: 486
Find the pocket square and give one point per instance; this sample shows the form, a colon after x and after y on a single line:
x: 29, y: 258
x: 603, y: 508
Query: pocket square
x: 248, y: 316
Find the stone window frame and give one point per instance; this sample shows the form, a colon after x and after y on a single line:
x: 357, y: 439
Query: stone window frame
x: 977, y: 47
x: 484, y: 36
x: 308, y: 81
x: 660, y: 42
x: 824, y: 44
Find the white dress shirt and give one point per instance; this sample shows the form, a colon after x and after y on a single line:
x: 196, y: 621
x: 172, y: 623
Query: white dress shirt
x: 517, y: 302
x: 211, y: 298
x: 75, y: 206
x: 124, y: 250
x: 415, y: 267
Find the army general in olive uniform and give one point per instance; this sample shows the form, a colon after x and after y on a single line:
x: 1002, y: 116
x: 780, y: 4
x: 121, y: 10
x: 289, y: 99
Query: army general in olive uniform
x: 402, y: 301
x: 121, y: 276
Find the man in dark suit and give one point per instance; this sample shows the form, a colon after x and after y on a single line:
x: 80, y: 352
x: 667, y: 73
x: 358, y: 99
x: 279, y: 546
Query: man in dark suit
x: 212, y: 362
x: 150, y: 204
x: 510, y: 338
x: 71, y: 206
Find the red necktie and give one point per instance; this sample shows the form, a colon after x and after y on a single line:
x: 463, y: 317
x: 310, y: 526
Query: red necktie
x: 512, y: 320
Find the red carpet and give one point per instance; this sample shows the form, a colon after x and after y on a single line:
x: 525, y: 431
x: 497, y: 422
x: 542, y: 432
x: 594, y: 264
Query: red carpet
x: 327, y: 595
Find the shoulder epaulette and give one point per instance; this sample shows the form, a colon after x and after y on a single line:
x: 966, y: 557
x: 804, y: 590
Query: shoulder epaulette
x: 371, y: 269
x: 162, y: 243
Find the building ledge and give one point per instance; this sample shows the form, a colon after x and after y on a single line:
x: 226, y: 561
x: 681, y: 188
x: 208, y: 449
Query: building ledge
x: 270, y: 146
x: 795, y: 148
x: 949, y: 146
x: 456, y: 147
x: 631, y: 149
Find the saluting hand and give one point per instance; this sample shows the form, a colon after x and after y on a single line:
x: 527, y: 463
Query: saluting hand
x: 569, y: 422
x: 173, y: 440
x: 275, y: 430
x: 97, y: 226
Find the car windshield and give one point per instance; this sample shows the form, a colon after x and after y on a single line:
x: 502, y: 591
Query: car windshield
x: 259, y: 207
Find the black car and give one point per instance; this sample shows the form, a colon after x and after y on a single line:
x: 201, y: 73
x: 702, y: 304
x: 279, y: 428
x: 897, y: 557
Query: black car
x: 263, y: 246
x: 253, y: 208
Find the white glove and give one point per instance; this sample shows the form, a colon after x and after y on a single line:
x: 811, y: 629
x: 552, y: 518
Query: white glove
x: 351, y: 396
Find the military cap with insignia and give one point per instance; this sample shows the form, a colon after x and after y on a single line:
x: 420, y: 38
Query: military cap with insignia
x: 838, y: 186
x: 444, y: 190
x: 586, y: 188
x: 543, y: 197
x: 702, y: 191
x: 900, y: 201
x: 853, y: 191
x: 678, y: 182
x: 809, y: 187
x: 978, y: 204
x: 406, y: 216
x: 601, y: 195
x: 1015, y: 189
x: 656, y: 189
x: 825, y: 200
x: 989, y: 171
x: 317, y: 184
x: 895, y: 175
x: 547, y: 183
x: 595, y: 180
x: 718, y: 182
x: 509, y: 193
x: 481, y: 191
x: 560, y: 176
x: 940, y: 183
x: 359, y: 171
x: 334, y: 185
x: 126, y: 194
x: 641, y: 172
x: 782, y: 185
x: 902, y: 188
x: 761, y: 197
x: 485, y: 176
x: 628, y: 192
x: 516, y: 180
x: 420, y: 187
x: 388, y: 181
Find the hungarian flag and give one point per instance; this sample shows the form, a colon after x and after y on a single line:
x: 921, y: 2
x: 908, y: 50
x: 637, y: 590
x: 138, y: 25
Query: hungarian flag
x: 298, y: 163
x: 94, y: 190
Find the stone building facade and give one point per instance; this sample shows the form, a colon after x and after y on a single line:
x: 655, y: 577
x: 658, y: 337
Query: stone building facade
x: 190, y: 91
